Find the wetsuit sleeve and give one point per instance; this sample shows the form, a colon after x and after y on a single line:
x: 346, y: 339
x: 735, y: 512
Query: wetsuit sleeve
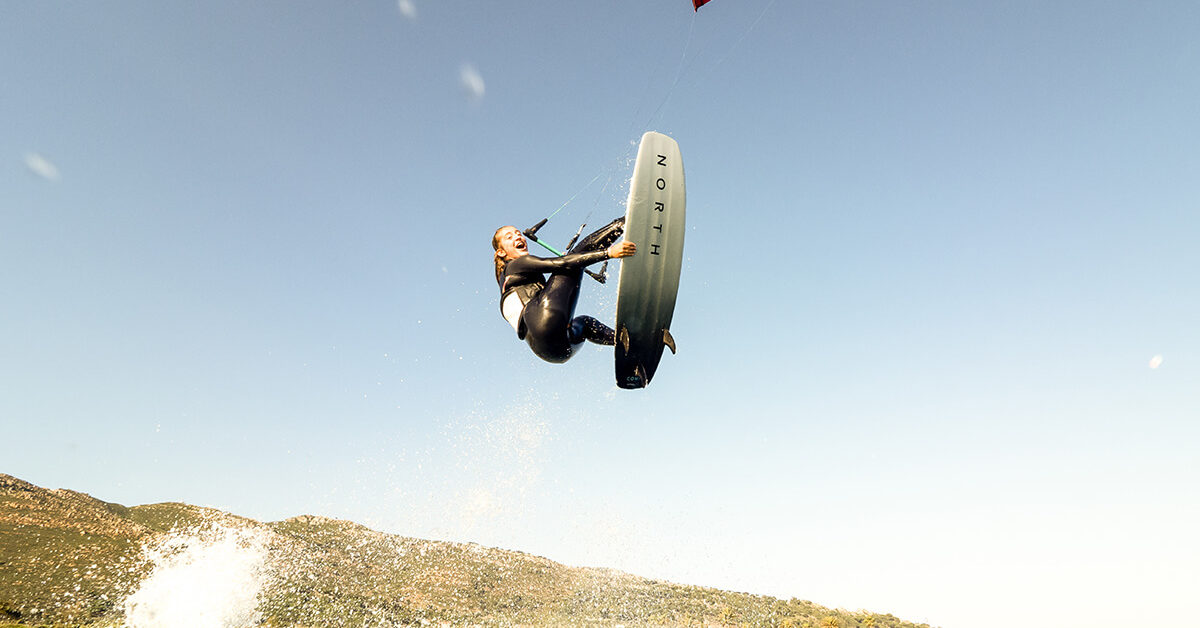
x: 533, y: 264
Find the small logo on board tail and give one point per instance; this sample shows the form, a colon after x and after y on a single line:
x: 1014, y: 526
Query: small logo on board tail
x: 636, y: 380
x: 633, y: 377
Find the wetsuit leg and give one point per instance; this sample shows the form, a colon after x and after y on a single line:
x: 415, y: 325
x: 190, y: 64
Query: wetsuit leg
x: 553, y: 331
x: 548, y: 317
x: 592, y: 330
x: 601, y: 238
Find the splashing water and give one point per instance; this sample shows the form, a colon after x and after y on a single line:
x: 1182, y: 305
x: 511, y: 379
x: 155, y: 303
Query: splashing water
x: 207, y: 578
x: 499, y: 462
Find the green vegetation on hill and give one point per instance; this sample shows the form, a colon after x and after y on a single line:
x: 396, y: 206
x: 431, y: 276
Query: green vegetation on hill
x: 69, y: 559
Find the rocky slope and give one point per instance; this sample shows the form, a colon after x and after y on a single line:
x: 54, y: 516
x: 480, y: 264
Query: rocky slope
x: 70, y: 559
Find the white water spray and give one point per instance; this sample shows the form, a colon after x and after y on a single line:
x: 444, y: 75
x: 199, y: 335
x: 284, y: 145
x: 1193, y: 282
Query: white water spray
x: 208, y: 578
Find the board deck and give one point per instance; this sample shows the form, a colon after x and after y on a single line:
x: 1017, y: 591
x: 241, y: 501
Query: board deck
x: 649, y: 281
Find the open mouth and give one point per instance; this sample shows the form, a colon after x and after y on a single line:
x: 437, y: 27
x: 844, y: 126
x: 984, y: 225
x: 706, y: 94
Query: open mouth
x: 519, y: 244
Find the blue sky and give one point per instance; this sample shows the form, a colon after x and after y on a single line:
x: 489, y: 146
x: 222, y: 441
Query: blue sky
x: 934, y: 250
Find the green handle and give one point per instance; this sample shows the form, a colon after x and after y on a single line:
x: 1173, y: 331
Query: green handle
x: 548, y: 247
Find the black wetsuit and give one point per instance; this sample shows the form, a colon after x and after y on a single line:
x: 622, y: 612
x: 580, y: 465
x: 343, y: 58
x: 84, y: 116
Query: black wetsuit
x: 548, y: 322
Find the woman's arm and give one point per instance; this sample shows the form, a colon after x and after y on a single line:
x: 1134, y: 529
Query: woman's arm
x: 535, y: 264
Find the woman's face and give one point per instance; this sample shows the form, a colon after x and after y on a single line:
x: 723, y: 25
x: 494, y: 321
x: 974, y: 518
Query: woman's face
x: 512, y: 243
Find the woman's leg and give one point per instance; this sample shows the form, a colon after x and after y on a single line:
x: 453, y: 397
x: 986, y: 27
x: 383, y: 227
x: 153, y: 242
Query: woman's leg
x: 601, y: 238
x: 548, y: 317
x: 554, y: 332
x: 591, y: 330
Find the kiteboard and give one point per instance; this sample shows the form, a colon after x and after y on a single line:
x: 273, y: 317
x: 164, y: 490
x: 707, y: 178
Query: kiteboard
x: 649, y: 281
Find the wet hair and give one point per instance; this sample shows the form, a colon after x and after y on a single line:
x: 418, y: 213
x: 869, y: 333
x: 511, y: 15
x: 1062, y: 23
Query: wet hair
x: 500, y: 262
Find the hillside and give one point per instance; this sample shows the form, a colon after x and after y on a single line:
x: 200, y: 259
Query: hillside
x: 68, y: 558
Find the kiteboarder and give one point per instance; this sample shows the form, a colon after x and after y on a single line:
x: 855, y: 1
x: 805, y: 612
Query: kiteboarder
x: 543, y: 312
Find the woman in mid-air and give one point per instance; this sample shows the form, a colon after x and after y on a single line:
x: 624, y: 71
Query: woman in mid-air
x: 543, y: 312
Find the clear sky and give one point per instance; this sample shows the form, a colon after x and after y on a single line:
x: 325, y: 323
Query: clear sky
x: 939, y: 352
